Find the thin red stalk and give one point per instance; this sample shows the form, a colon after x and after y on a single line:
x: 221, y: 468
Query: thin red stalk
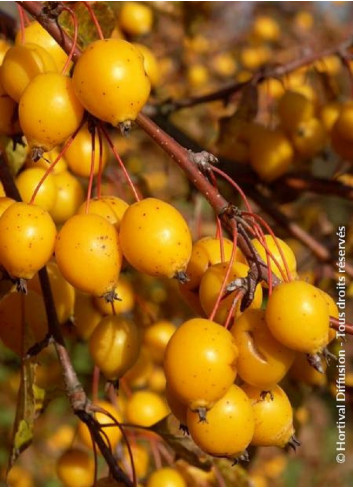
x: 237, y: 297
x: 74, y: 41
x: 219, y: 234
x: 156, y: 454
x: 113, y: 308
x: 119, y: 160
x: 91, y: 174
x: 26, y: 18
x: 269, y: 230
x: 261, y: 237
x: 52, y: 165
x: 335, y: 324
x: 100, y: 164
x: 122, y: 430
x: 234, y: 184
x: 94, y: 19
x: 22, y: 22
x: 225, y: 279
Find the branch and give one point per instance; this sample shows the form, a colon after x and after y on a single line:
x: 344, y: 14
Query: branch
x: 266, y: 72
x: 317, y: 185
x: 317, y: 248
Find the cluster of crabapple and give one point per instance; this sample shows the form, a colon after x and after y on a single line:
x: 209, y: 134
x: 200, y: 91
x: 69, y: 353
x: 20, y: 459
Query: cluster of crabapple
x: 222, y: 367
x: 304, y: 130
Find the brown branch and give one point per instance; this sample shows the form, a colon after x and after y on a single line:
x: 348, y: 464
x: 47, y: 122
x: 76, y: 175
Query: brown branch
x: 265, y: 73
x: 317, y: 248
x: 335, y: 324
x: 317, y: 185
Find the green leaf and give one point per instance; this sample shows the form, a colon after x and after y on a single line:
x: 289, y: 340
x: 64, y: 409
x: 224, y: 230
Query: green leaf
x: 15, y: 154
x: 87, y: 31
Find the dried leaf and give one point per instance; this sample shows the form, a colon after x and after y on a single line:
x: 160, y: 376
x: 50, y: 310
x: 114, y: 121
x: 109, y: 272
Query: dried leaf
x: 87, y: 31
x: 234, y: 133
x: 30, y: 402
x: 182, y: 445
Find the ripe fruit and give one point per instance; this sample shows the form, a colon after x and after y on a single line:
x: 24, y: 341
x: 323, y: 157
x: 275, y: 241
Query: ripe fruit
x: 5, y: 202
x: 88, y: 254
x: 45, y: 160
x: 140, y: 456
x: 69, y: 195
x: 135, y: 18
x: 18, y: 310
x: 75, y: 468
x: 344, y: 122
x: 297, y: 316
x: 329, y: 114
x: 302, y: 371
x: 78, y: 154
x: 19, y: 477
x: 137, y: 376
x: 21, y: 64
x: 86, y: 316
x: 63, y: 292
x: 114, y: 346
x: 27, y: 182
x: 229, y: 427
x: 273, y: 416
x: 271, y: 245
x: 294, y: 108
x: 145, y: 408
x: 205, y: 252
x: 165, y: 236
x: 266, y: 28
x: 156, y: 338
x: 150, y: 63
x: 8, y: 114
x: 111, y: 208
x: 211, y: 284
x: 27, y: 239
x: 200, y: 362
x: 49, y: 111
x: 36, y: 34
x: 270, y: 153
x: 112, y: 433
x: 110, y: 80
x: 262, y: 360
x: 166, y: 477
x: 309, y: 138
x: 118, y: 205
x: 178, y: 409
x: 123, y: 304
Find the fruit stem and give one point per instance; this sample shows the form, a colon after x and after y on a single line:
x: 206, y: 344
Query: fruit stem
x: 94, y: 19
x: 119, y: 160
x: 22, y: 23
x: 74, y: 41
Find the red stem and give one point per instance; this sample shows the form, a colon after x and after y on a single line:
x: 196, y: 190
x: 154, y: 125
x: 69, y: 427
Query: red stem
x: 95, y: 20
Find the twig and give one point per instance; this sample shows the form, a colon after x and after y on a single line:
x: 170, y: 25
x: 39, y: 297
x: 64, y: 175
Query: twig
x: 266, y: 72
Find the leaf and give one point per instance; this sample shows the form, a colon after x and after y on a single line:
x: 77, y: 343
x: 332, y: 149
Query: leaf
x: 16, y: 154
x: 183, y: 446
x: 234, y: 130
x: 30, y: 402
x: 87, y: 31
